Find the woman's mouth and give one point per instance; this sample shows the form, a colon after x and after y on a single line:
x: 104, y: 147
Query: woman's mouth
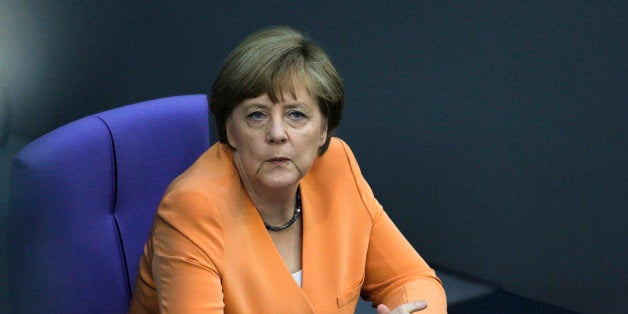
x: 278, y: 160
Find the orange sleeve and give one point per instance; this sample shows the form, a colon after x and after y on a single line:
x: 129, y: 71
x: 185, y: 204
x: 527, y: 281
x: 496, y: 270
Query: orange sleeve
x: 395, y: 272
x: 187, y: 252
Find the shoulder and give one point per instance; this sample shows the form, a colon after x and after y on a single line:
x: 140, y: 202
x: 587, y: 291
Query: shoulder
x: 211, y: 170
x: 339, y: 154
x: 206, y: 188
x: 337, y: 162
x: 337, y: 147
x: 337, y: 175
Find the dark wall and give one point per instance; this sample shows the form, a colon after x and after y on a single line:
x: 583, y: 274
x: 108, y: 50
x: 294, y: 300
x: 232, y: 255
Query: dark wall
x: 495, y: 133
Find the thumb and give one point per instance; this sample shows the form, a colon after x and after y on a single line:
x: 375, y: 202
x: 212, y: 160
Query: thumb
x: 382, y: 309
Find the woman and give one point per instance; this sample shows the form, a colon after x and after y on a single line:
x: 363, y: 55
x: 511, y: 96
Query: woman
x: 277, y: 218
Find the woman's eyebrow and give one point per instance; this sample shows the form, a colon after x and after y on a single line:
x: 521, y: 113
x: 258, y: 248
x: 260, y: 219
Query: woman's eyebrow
x: 256, y: 105
x: 297, y: 104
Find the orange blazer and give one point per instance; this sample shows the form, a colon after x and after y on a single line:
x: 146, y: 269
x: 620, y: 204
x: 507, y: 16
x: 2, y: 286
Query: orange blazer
x: 209, y: 252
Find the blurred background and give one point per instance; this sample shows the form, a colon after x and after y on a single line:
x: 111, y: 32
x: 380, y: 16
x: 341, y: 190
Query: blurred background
x: 493, y: 132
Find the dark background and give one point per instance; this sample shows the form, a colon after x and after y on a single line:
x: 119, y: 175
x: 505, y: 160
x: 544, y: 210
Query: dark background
x: 494, y: 132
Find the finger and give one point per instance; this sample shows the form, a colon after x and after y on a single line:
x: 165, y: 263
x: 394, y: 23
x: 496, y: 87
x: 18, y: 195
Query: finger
x: 382, y: 309
x: 412, y: 307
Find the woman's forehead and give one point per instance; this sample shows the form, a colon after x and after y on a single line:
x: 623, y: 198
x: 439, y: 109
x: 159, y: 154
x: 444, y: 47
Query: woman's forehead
x: 289, y: 83
x: 296, y: 94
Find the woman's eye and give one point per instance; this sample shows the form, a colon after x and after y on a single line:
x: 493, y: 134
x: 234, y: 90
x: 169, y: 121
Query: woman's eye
x: 296, y: 115
x: 256, y: 115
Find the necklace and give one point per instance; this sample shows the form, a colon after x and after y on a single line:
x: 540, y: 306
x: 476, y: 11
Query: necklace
x: 297, y: 213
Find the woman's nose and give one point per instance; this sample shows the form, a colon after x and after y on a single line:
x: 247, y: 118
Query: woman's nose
x: 277, y: 131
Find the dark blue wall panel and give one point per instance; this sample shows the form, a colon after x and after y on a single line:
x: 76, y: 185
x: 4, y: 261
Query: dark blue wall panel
x: 495, y: 133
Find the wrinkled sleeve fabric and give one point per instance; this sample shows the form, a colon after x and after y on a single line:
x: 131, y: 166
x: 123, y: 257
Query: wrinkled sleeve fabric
x: 395, y: 273
x: 186, y: 250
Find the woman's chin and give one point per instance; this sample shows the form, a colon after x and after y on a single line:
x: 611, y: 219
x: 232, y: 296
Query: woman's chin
x: 280, y: 183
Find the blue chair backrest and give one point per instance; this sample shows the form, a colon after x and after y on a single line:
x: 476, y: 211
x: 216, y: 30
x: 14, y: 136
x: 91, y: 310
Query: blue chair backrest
x: 83, y: 198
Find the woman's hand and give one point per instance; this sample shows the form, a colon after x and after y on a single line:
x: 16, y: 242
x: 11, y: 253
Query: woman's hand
x: 405, y: 308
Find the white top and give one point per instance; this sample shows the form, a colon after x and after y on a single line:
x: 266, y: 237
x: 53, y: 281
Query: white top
x: 298, y: 277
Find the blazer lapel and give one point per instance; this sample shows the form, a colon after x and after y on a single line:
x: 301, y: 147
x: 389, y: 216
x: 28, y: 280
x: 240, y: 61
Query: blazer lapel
x: 315, y: 259
x: 273, y: 269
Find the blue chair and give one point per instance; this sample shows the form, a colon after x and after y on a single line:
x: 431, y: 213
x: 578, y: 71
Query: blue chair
x: 83, y: 198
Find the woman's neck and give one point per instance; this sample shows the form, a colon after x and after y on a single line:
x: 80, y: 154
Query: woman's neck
x: 276, y: 206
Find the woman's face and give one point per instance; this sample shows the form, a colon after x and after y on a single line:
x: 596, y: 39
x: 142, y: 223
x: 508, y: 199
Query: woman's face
x: 276, y: 143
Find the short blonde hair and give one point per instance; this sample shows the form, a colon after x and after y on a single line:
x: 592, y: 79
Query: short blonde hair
x: 271, y: 61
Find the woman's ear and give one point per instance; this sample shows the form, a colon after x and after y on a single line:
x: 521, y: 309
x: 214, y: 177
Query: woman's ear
x: 323, y: 136
x: 228, y: 131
